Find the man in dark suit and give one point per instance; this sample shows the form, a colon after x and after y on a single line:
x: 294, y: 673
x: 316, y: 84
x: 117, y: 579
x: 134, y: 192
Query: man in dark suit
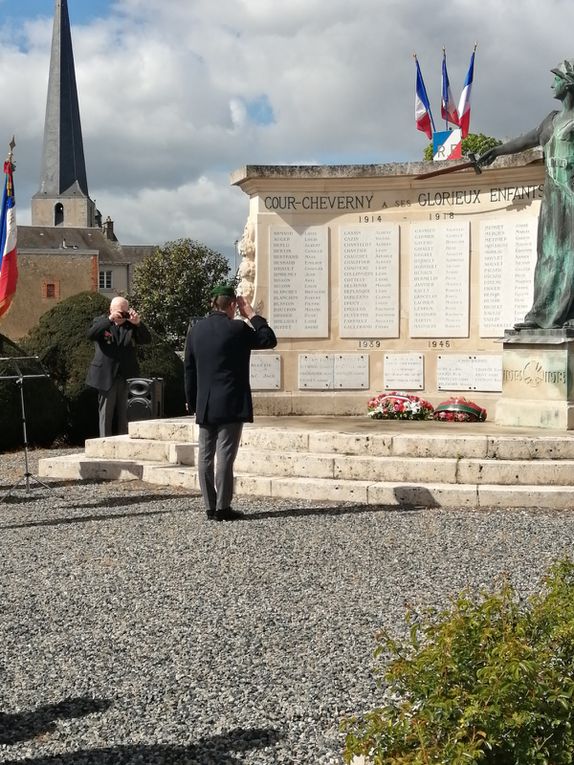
x: 217, y: 353
x: 115, y: 361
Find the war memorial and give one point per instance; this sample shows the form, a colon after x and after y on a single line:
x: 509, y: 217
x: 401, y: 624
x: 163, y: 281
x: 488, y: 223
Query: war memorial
x: 375, y: 280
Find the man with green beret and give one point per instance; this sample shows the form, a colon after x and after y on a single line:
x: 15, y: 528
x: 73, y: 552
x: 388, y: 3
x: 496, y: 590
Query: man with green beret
x: 217, y: 354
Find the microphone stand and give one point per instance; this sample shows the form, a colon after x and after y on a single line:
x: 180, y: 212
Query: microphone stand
x: 19, y: 376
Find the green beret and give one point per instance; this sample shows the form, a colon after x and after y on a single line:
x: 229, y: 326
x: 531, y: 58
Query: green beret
x: 222, y: 290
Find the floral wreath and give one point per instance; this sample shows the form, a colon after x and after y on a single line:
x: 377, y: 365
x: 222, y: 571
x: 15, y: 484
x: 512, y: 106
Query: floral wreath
x: 459, y: 409
x: 397, y: 405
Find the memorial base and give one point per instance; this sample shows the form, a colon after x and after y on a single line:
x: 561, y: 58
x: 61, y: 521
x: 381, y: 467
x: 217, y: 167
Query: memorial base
x: 537, y: 379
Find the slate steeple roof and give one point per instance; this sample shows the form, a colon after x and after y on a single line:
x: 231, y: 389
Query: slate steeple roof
x: 63, y: 163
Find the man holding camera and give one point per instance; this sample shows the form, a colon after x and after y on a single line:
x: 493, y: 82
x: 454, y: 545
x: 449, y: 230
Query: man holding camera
x: 115, y: 360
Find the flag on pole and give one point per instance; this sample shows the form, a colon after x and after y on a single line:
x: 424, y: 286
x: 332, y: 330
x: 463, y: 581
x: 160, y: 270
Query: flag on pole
x: 464, y: 104
x: 447, y: 105
x: 8, y: 264
x: 423, y: 115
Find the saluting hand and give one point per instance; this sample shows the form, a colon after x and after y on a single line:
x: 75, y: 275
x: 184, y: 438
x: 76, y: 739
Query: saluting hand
x: 245, y: 307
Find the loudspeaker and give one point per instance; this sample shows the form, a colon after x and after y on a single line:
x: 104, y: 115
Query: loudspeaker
x: 145, y: 398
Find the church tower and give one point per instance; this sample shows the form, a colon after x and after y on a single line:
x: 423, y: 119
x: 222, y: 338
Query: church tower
x: 63, y: 198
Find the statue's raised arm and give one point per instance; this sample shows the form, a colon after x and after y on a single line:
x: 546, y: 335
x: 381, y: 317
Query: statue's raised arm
x: 523, y: 142
x: 553, y: 304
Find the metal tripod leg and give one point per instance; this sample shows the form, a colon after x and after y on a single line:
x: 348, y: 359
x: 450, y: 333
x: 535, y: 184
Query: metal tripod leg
x: 27, y: 474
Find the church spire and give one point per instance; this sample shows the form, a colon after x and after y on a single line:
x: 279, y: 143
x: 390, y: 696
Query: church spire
x: 63, y: 178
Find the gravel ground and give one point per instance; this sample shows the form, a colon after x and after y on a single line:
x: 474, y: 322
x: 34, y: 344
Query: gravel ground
x: 134, y: 631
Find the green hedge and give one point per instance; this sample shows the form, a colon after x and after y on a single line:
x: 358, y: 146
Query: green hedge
x: 44, y: 405
x: 489, y: 680
x: 61, y: 342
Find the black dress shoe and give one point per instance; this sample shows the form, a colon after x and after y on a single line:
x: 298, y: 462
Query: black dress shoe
x: 211, y: 516
x: 229, y: 514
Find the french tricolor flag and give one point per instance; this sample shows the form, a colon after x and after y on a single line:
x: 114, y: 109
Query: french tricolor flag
x: 464, y: 103
x: 8, y: 264
x: 423, y: 115
x: 447, y: 106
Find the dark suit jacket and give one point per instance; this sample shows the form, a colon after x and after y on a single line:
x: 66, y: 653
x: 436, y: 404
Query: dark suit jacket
x: 217, y: 353
x: 115, y: 351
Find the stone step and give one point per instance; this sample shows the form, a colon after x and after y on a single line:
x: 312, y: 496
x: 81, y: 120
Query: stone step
x: 182, y: 429
x: 347, y: 467
x: 73, y: 467
x: 386, y: 493
x: 447, y: 440
x: 127, y: 448
x: 391, y: 494
x: 409, y: 469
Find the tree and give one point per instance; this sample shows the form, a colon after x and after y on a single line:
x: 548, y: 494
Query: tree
x: 174, y: 284
x: 474, y: 143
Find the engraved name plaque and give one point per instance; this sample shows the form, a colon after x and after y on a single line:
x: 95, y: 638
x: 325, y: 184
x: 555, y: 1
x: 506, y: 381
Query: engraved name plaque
x: 439, y: 279
x: 472, y: 373
x: 369, y: 277
x: 316, y: 371
x: 265, y: 371
x: 351, y: 371
x: 404, y: 371
x: 507, y: 261
x: 299, y: 281
x: 328, y: 371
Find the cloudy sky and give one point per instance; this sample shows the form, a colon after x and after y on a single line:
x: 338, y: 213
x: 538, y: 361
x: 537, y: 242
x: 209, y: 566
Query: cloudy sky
x: 176, y: 94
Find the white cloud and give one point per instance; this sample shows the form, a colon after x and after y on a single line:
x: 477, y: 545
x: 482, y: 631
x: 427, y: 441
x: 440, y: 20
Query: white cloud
x: 165, y: 88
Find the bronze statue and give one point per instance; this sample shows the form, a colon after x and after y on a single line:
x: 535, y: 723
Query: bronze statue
x: 553, y: 304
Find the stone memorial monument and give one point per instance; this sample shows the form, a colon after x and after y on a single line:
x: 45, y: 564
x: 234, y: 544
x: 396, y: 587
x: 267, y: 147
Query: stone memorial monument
x: 375, y: 279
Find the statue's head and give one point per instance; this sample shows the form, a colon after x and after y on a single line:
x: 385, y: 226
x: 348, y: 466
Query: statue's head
x: 565, y: 70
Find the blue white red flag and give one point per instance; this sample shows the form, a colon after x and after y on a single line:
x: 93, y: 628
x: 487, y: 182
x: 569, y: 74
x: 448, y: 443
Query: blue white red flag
x: 464, y: 104
x: 8, y: 264
x: 423, y: 115
x: 447, y: 105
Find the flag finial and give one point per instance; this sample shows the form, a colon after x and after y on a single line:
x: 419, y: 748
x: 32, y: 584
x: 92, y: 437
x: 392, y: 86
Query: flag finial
x: 11, y: 145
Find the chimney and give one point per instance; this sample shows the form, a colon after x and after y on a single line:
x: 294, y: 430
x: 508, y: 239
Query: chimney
x: 108, y: 229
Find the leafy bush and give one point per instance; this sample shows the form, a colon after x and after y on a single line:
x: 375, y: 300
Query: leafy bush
x: 44, y: 405
x: 61, y: 342
x: 489, y: 680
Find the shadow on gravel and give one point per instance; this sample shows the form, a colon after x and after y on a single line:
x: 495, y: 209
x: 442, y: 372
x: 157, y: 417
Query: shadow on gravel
x: 88, y: 518
x: 212, y: 750
x: 53, y: 484
x: 24, y: 726
x: 136, y: 499
x: 305, y: 512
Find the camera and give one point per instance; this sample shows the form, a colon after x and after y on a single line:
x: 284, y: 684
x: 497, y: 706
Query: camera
x: 125, y: 314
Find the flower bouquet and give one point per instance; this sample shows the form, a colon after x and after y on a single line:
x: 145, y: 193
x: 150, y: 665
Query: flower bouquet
x: 459, y: 409
x: 397, y: 405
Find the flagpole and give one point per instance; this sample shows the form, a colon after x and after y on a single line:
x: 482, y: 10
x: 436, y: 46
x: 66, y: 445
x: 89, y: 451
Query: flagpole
x: 442, y: 83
